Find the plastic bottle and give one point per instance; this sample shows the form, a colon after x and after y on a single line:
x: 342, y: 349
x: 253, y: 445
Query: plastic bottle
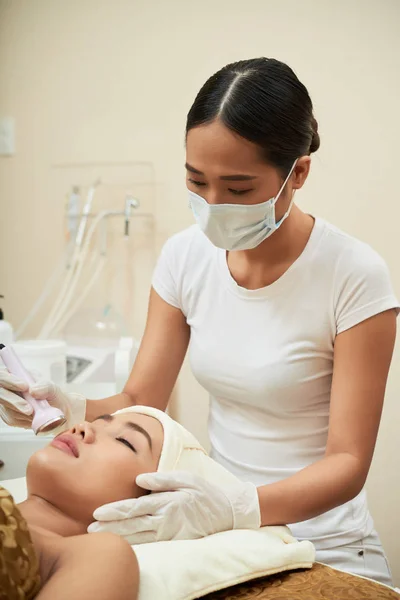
x: 6, y: 330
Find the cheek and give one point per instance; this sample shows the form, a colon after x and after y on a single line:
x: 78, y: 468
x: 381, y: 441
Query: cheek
x: 79, y: 486
x: 265, y: 191
x: 55, y: 477
x: 112, y: 477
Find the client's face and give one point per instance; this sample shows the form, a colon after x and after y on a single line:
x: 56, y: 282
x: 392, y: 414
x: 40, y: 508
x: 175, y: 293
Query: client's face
x: 96, y: 463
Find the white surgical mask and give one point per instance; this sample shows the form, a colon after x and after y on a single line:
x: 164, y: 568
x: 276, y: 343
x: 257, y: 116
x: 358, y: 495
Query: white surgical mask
x: 238, y: 226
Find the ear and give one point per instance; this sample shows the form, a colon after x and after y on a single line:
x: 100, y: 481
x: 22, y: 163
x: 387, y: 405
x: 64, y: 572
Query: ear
x: 301, y: 172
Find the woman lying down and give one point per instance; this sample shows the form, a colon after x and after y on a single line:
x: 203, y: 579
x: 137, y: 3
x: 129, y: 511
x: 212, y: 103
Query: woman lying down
x: 45, y: 551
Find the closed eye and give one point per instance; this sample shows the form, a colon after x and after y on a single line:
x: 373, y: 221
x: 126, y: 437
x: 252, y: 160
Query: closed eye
x: 239, y: 192
x: 230, y: 190
x: 197, y: 183
x: 124, y: 441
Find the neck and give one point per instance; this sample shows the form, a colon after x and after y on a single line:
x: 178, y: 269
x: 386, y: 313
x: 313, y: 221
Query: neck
x: 263, y: 265
x: 282, y: 245
x: 41, y: 514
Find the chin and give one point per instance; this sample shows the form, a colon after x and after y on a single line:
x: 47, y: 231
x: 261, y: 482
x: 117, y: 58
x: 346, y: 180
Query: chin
x: 45, y: 473
x: 46, y: 458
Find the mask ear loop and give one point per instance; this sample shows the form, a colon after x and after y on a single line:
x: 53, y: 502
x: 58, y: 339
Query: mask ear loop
x: 280, y: 192
x: 288, y: 210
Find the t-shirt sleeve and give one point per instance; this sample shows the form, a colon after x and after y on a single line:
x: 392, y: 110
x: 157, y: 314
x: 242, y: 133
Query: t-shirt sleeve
x: 164, y: 277
x: 363, y: 288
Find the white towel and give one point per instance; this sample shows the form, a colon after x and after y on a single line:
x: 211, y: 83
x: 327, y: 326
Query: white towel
x: 186, y: 569
x: 182, y: 452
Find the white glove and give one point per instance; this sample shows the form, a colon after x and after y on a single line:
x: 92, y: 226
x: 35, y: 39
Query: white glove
x: 185, y: 506
x: 15, y: 411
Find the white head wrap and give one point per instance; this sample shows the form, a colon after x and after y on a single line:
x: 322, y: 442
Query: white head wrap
x: 181, y: 451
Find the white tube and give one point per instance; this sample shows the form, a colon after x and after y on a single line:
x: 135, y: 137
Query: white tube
x: 51, y: 282
x: 82, y: 295
x: 85, y: 214
x: 73, y: 264
x: 61, y: 295
x: 69, y: 289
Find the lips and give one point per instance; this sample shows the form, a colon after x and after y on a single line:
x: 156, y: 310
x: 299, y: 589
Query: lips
x: 66, y: 443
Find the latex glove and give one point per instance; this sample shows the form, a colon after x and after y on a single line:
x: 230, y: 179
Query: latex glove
x: 15, y: 411
x: 184, y: 506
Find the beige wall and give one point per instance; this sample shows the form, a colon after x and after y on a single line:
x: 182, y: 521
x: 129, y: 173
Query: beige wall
x: 97, y: 80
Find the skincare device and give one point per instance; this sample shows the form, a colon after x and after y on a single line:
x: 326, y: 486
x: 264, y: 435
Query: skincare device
x: 45, y: 417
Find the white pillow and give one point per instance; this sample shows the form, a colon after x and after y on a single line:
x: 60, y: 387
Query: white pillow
x: 17, y: 488
x: 187, y: 569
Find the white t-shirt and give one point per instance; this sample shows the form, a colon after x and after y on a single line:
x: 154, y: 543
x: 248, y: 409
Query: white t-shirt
x: 266, y: 356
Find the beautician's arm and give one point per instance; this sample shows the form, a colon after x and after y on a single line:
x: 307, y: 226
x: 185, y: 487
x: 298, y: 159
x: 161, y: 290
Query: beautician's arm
x: 362, y: 358
x: 101, y: 566
x: 157, y: 365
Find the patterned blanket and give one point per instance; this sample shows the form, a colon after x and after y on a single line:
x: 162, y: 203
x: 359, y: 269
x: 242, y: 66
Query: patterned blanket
x: 319, y: 583
x: 19, y: 567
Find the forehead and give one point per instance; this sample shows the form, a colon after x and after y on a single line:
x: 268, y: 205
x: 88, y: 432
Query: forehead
x: 150, y: 424
x: 214, y: 146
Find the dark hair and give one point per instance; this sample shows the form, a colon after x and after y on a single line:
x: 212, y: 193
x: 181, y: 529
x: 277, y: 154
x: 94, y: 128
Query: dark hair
x: 263, y: 101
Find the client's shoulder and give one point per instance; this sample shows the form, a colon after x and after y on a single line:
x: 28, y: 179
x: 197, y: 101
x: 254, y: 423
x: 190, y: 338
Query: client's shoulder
x: 104, y: 564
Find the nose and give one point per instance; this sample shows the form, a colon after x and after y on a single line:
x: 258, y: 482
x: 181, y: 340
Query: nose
x: 212, y: 197
x: 85, y: 431
x: 209, y: 194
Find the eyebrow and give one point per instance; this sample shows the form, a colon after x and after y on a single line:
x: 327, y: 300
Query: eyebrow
x: 131, y: 425
x: 238, y: 177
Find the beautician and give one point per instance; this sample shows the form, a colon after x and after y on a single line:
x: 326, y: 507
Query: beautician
x: 291, y: 325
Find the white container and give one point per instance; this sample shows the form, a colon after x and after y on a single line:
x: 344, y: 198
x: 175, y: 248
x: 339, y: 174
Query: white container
x: 48, y: 357
x: 6, y: 331
x: 16, y: 447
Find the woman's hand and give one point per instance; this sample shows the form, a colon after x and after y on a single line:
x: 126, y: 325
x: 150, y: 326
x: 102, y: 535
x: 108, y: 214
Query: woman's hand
x: 182, y: 506
x: 17, y: 412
